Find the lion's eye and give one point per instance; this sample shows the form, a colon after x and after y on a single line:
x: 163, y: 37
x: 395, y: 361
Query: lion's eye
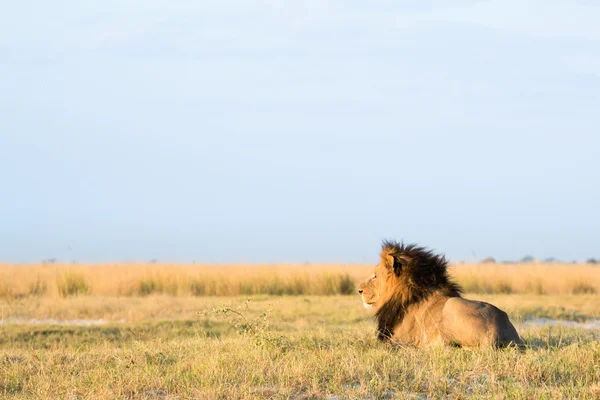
x: 374, y: 276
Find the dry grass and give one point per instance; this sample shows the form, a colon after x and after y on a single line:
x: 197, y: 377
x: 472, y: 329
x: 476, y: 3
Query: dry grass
x: 169, y: 333
x: 175, y: 280
x: 224, y: 280
x: 307, y: 347
x: 529, y: 278
x: 285, y: 308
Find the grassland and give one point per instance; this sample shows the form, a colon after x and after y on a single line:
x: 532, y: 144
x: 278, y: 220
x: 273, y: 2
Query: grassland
x: 317, y: 343
x: 224, y: 280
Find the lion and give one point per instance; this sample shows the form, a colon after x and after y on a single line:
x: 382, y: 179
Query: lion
x: 417, y: 304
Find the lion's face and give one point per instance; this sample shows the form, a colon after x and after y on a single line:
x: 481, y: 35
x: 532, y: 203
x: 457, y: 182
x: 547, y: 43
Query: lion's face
x: 373, y: 290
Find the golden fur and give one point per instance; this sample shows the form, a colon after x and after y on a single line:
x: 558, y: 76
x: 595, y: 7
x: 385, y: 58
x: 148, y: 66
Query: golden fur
x: 417, y: 303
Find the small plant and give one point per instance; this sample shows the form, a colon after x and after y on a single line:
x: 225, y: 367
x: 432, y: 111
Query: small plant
x: 503, y: 287
x: 256, y: 328
x: 336, y: 284
x: 583, y: 288
x: 297, y: 286
x: 346, y: 285
x: 198, y: 288
x: 475, y: 285
x: 72, y: 285
x: 149, y: 286
x: 39, y: 288
x: 536, y: 287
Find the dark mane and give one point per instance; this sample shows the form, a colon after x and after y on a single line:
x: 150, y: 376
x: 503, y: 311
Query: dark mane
x: 421, y: 273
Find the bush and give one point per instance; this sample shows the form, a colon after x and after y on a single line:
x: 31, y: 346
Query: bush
x: 72, y: 285
x: 149, y: 286
x: 536, y: 287
x: 476, y: 285
x: 39, y: 288
x: 503, y: 287
x: 198, y: 288
x: 347, y: 285
x: 583, y: 288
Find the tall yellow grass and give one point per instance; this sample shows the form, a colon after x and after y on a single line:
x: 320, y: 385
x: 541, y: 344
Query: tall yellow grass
x: 231, y: 280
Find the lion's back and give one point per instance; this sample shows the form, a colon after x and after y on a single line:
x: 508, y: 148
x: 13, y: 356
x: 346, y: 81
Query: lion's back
x: 475, y: 323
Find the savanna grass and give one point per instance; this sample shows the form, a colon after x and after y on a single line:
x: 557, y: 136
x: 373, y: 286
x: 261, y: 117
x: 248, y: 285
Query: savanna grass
x: 224, y: 280
x: 290, y: 347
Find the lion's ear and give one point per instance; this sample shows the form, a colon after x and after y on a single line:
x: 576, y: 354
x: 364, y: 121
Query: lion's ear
x: 399, y: 263
x: 392, y: 263
x: 388, y: 261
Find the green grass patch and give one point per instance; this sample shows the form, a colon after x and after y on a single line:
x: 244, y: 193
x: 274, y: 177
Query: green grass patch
x: 72, y: 284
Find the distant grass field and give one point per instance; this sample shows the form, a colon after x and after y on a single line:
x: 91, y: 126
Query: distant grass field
x: 212, y: 280
x: 144, y: 332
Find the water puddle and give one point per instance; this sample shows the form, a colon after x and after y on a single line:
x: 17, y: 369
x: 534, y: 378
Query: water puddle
x: 60, y: 322
x: 542, y: 322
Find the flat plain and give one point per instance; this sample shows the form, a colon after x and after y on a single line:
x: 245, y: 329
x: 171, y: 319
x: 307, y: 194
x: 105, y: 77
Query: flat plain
x: 150, y: 331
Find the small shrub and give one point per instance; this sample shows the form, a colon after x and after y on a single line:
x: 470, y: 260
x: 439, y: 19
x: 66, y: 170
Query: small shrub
x: 475, y: 285
x: 275, y: 288
x: 583, y: 288
x: 257, y: 328
x: 503, y: 287
x: 39, y: 288
x: 247, y: 288
x: 592, y: 261
x: 72, y: 285
x: 347, y: 285
x: 198, y: 288
x: 536, y: 287
x: 299, y: 285
x: 328, y: 285
x: 149, y: 286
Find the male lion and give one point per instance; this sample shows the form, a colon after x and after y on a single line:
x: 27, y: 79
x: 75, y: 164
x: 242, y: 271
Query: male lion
x: 417, y: 303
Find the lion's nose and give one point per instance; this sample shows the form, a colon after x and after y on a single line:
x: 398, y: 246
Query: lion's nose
x: 360, y: 291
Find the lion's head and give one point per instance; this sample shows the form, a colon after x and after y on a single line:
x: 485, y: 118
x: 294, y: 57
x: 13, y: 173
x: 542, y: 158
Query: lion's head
x: 379, y: 284
x: 406, y: 274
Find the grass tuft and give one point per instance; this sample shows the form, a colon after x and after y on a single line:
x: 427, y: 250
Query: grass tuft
x: 148, y: 286
x: 38, y: 288
x: 583, y: 288
x: 72, y: 284
x: 346, y: 285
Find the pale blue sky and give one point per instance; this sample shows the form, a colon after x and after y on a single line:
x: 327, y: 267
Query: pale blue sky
x: 274, y: 131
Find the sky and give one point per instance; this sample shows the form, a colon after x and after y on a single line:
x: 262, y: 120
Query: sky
x: 279, y: 131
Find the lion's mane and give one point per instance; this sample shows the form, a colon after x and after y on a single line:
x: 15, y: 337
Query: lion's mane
x: 420, y: 273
